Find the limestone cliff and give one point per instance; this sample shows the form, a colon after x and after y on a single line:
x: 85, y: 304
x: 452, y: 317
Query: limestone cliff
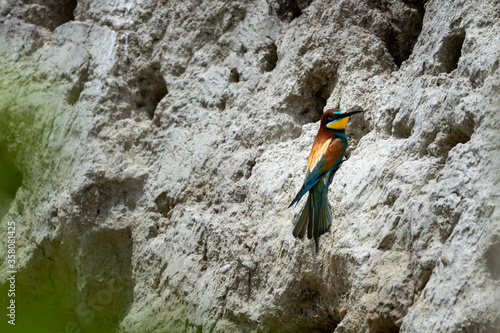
x: 149, y: 150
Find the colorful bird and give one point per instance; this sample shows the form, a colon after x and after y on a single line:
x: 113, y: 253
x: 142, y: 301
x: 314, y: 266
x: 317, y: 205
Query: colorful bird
x: 324, y: 160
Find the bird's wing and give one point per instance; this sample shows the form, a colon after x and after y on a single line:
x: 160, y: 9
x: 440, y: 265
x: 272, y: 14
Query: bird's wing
x: 324, y: 155
x: 322, y: 158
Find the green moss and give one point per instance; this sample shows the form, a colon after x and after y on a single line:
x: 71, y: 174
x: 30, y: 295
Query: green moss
x: 36, y: 314
x: 28, y: 106
x: 11, y: 179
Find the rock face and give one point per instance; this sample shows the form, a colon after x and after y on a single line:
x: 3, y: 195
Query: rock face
x: 150, y: 149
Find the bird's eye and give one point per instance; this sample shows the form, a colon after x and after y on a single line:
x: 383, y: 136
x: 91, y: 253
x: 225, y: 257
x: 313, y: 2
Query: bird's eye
x: 329, y: 119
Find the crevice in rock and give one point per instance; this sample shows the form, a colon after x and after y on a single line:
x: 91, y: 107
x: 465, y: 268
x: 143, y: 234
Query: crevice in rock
x: 203, y: 243
x: 249, y: 286
x: 202, y: 246
x: 392, y: 45
x: 450, y: 51
x: 250, y: 164
x: 386, y: 242
x: 423, y: 278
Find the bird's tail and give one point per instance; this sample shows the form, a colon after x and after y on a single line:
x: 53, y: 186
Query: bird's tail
x: 315, y: 216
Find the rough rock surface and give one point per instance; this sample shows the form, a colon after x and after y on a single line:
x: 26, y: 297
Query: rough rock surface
x: 155, y: 145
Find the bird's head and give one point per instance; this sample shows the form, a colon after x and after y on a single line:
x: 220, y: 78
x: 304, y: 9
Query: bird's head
x: 336, y: 120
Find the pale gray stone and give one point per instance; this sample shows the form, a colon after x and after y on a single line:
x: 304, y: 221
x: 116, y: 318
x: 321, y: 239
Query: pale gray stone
x: 161, y: 143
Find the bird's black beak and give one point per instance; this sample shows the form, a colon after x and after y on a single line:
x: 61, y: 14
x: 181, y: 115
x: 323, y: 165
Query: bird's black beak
x: 349, y: 113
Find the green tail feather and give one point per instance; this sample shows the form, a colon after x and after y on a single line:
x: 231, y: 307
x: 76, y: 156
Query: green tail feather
x: 303, y: 221
x: 315, y: 216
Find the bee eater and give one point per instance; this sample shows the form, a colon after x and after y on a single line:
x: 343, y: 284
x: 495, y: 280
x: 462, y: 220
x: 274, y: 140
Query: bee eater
x: 324, y: 160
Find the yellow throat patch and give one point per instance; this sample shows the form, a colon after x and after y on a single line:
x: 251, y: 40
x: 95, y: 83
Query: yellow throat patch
x: 338, y: 124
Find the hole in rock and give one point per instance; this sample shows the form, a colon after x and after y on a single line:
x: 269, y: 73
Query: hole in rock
x: 66, y: 9
x: 451, y: 51
x: 149, y: 89
x: 165, y: 203
x: 382, y: 325
x: 46, y: 13
x: 288, y: 10
x: 222, y: 103
x: 392, y: 44
x: 270, y: 58
x: 401, y: 129
x: 463, y: 132
x: 450, y: 136
x: 403, y: 32
x: 310, y: 310
x: 11, y: 180
x: 320, y: 98
x: 234, y: 76
x: 418, y: 4
x: 315, y: 88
